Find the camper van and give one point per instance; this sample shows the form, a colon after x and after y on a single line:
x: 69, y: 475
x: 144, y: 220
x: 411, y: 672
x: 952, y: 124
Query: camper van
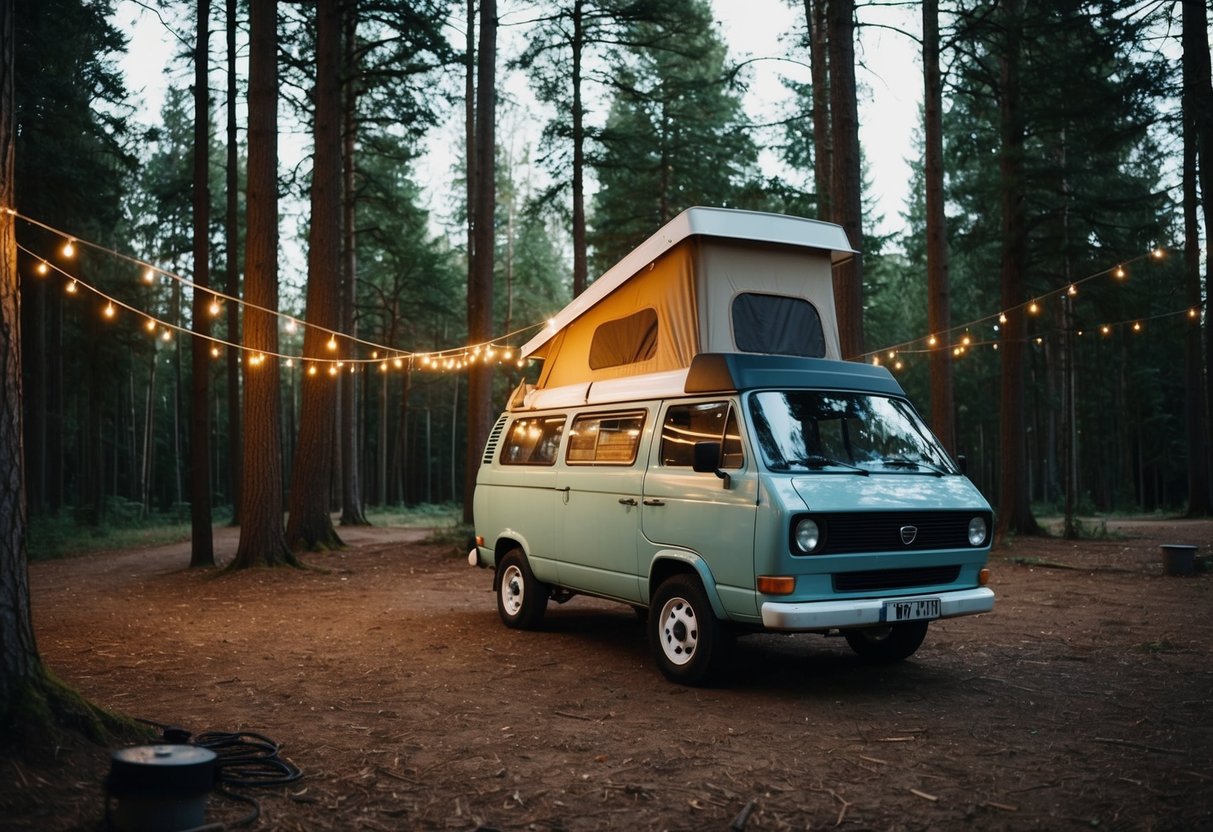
x: 694, y: 447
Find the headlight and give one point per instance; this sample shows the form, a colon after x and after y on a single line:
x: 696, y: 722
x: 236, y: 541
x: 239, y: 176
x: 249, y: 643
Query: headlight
x: 808, y: 535
x: 977, y: 531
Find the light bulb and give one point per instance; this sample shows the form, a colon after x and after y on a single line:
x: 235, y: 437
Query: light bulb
x: 214, y: 352
x: 69, y: 248
x: 109, y: 310
x: 149, y: 276
x: 214, y: 307
x: 332, y: 343
x: 42, y: 268
x: 71, y: 288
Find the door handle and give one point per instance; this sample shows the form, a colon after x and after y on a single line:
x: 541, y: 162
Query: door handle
x: 627, y: 501
x: 654, y: 502
x: 564, y: 493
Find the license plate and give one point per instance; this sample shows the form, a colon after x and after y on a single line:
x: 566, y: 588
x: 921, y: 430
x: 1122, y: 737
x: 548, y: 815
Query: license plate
x: 913, y: 610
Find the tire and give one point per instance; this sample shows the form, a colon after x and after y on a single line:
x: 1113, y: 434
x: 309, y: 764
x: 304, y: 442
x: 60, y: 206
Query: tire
x: 887, y: 644
x: 685, y: 636
x: 521, y: 597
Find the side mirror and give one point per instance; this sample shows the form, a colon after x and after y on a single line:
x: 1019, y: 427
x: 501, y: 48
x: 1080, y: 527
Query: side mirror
x: 707, y: 459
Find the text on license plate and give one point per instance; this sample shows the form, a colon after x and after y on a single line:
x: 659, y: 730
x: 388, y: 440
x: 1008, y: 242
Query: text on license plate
x: 912, y: 610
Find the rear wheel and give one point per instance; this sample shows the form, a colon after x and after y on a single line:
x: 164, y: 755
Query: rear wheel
x: 889, y: 643
x: 521, y: 597
x: 684, y: 633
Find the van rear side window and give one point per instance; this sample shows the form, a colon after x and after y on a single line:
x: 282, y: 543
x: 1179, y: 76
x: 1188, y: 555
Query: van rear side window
x: 609, y: 439
x: 533, y: 441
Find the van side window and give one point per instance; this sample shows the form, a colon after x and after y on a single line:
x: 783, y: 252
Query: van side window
x: 686, y: 424
x: 533, y: 441
x: 609, y: 439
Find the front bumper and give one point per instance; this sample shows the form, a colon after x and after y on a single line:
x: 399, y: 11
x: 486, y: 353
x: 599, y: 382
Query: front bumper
x: 865, y: 612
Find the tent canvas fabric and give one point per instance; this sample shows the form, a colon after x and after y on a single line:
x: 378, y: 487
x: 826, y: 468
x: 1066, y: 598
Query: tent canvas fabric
x: 712, y: 280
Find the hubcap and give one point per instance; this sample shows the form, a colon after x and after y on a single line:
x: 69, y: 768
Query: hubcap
x: 679, y: 631
x: 511, y: 590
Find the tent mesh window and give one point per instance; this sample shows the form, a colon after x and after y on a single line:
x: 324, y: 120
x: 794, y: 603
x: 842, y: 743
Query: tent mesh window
x: 624, y: 340
x: 777, y: 325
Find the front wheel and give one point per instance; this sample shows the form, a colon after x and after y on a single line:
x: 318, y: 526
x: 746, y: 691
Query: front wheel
x: 683, y: 631
x: 521, y: 597
x: 889, y: 643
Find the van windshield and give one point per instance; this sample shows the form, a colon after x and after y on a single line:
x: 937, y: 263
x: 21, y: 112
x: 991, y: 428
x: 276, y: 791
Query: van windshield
x: 844, y: 432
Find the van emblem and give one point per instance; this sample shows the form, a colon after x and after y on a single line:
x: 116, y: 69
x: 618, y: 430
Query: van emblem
x: 908, y: 533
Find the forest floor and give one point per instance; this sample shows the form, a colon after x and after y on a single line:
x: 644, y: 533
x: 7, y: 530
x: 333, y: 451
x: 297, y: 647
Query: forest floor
x: 1085, y: 700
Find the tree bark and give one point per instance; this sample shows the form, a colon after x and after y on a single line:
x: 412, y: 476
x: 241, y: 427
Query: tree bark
x: 480, y: 288
x: 1198, y: 164
x: 352, y: 513
x: 580, y: 260
x: 262, y: 541
x: 19, y: 660
x: 202, y: 552
x: 823, y: 157
x: 310, y: 525
x: 235, y: 436
x: 1014, y: 511
x: 939, y: 316
x: 845, y: 197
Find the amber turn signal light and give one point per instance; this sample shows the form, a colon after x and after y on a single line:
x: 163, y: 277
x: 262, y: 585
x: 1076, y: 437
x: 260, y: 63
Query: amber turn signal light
x: 479, y: 540
x: 776, y: 584
x: 983, y: 577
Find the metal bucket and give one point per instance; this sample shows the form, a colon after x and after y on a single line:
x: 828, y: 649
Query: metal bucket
x: 159, y: 788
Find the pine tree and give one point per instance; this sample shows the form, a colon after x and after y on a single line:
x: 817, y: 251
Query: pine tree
x: 674, y: 133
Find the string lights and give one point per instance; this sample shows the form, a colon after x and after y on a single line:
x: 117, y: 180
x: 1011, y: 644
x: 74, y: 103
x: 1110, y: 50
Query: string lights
x: 962, y: 345
x: 490, y: 352
x: 497, y: 351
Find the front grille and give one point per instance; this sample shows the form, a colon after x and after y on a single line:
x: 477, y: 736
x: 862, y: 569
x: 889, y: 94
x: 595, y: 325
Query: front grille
x: 894, y: 578
x: 861, y: 532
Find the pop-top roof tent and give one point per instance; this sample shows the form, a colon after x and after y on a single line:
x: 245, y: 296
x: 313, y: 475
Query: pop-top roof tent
x: 710, y: 280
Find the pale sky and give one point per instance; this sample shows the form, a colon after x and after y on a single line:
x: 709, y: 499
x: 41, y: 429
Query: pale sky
x: 889, y: 69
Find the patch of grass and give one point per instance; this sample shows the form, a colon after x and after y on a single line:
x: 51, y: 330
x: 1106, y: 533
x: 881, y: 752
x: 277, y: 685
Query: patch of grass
x: 124, y: 526
x: 424, y: 515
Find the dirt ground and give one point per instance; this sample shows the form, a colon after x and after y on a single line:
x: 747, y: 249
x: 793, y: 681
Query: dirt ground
x: 1085, y: 700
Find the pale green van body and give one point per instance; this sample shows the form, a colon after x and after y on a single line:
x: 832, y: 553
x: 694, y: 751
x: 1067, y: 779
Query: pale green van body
x: 616, y: 525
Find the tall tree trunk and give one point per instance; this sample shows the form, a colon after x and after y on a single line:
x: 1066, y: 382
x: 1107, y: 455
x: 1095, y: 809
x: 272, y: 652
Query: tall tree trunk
x: 469, y: 133
x: 310, y: 525
x: 939, y: 316
x: 580, y: 261
x: 262, y: 542
x: 823, y: 157
x: 480, y: 288
x: 352, y: 513
x: 31, y: 703
x: 19, y: 660
x: 1014, y: 511
x: 235, y: 436
x: 1198, y: 161
x: 848, y: 210
x: 202, y: 552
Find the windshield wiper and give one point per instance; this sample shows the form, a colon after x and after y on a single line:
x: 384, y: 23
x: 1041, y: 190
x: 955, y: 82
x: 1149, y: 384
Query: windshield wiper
x: 903, y: 462
x: 817, y: 462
